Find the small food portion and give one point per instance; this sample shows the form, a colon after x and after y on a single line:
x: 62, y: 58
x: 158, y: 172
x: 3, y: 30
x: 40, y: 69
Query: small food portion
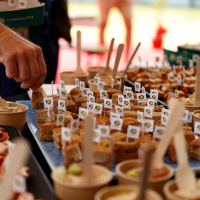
x: 74, y: 175
x: 195, y: 149
x: 123, y: 196
x: 37, y: 99
x: 13, y: 109
x: 188, y: 101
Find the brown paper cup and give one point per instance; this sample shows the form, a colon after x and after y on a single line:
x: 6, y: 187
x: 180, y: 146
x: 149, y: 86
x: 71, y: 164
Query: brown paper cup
x: 191, y: 109
x: 72, y: 192
x: 70, y: 80
x: 94, y: 70
x: 156, y: 185
x: 169, y: 189
x: 93, y: 87
x: 17, y: 119
x: 120, y: 189
x: 195, y: 118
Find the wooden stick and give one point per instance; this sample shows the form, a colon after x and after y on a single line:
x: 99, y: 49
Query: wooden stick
x: 197, y: 101
x: 88, y: 149
x: 20, y: 157
x: 131, y: 58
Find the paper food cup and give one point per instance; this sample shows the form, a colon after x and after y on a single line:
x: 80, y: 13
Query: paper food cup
x: 195, y: 118
x: 107, y: 85
x: 156, y: 185
x: 120, y: 189
x: 169, y: 189
x: 70, y: 80
x: 94, y: 70
x: 192, y: 109
x: 16, y: 119
x: 64, y: 190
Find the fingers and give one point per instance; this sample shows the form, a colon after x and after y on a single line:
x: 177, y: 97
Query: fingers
x: 11, y: 67
x: 42, y: 68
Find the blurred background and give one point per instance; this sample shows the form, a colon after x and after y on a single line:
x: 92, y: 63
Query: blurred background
x: 178, y: 20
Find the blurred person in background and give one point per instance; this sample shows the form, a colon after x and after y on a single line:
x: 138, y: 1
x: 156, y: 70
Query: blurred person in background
x: 56, y: 24
x: 125, y: 7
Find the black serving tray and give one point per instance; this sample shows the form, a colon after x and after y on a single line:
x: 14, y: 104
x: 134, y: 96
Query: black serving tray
x: 38, y: 184
x: 131, y: 84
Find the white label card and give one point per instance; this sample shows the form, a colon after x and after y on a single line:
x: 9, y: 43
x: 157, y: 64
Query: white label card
x: 154, y: 95
x: 148, y: 111
x: 12, y: 2
x: 96, y: 135
x: 116, y: 124
x: 57, y: 90
x: 179, y: 79
x: 140, y: 116
x: 61, y: 104
x: 98, y: 108
x: 74, y: 125
x: 90, y: 106
x: 127, y: 89
x: 185, y: 116
x: 19, y: 184
x: 100, y: 85
x: 62, y: 84
x: 120, y: 99
x: 158, y: 132
x: 85, y: 91
x: 60, y: 119
x: 166, y: 112
x: 114, y: 115
x: 137, y: 86
x: 195, y: 57
x: 150, y: 103
x: 148, y: 125
x: 133, y: 131
x: 126, y: 103
x: 174, y: 69
x: 190, y: 63
x: 129, y: 95
x: 119, y: 110
x: 83, y: 113
x: 179, y: 59
x: 91, y: 99
x: 48, y: 102
x: 108, y: 103
x: 164, y: 119
x: 104, y: 130
x: 63, y: 93
x: 81, y: 85
x: 103, y: 94
x: 189, y: 117
x: 143, y: 89
x: 66, y: 134
x: 77, y: 82
x: 97, y: 80
x: 197, y: 127
x: 89, y: 93
x: 22, y: 4
x: 141, y: 97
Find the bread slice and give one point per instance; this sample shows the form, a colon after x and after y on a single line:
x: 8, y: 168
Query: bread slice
x: 69, y: 104
x: 112, y: 91
x: 101, y: 120
x: 37, y: 99
x: 57, y: 138
x: 67, y: 118
x: 102, y: 156
x: 195, y: 149
x: 74, y: 139
x: 42, y: 116
x: 129, y: 121
x: 145, y: 146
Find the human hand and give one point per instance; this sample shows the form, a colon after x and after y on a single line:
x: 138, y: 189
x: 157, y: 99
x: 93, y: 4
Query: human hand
x: 22, y: 59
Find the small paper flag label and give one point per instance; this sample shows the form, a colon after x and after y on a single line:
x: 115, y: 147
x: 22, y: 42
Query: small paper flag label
x: 12, y: 2
x: 116, y: 124
x: 85, y: 91
x: 137, y: 87
x: 154, y: 95
x: 140, y: 116
x: 104, y: 130
x: 195, y: 57
x: 74, y: 125
x: 150, y: 103
x: 96, y: 135
x: 159, y: 131
x: 77, y: 82
x: 98, y: 108
x: 63, y: 93
x: 197, y: 127
x: 166, y: 112
x: 120, y: 99
x: 148, y: 111
x: 189, y: 117
x: 129, y: 95
x: 179, y: 79
x: 108, y: 103
x: 127, y: 89
x: 97, y: 80
x: 89, y: 93
x: 119, y: 110
x: 148, y: 125
x: 90, y: 106
x: 185, y: 116
x: 82, y: 85
x: 100, y: 85
x: 126, y: 103
x: 141, y: 97
x: 190, y: 63
x: 83, y: 113
x: 19, y: 184
x: 48, y: 102
x: 91, y: 99
x: 179, y: 59
x: 22, y: 4
x: 164, y: 119
x: 57, y: 90
x: 143, y: 89
x: 61, y: 104
x: 60, y: 119
x: 62, y: 84
x: 66, y: 134
x: 103, y: 94
x: 133, y: 132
